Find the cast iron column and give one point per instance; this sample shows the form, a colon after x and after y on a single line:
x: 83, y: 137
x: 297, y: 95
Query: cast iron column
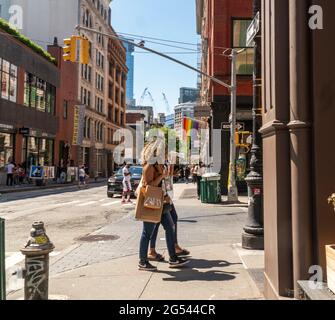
x: 253, y: 235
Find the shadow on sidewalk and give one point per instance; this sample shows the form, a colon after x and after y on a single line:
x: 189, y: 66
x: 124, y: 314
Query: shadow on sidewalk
x: 191, y: 271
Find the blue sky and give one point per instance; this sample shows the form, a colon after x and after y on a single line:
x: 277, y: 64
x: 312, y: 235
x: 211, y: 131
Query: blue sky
x: 172, y: 20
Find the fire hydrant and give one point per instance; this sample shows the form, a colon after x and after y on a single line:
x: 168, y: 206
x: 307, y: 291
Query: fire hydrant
x: 36, y: 273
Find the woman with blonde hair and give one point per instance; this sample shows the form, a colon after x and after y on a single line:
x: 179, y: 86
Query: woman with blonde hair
x: 153, y: 158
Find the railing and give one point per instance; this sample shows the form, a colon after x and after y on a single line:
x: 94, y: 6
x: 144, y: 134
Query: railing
x: 2, y: 261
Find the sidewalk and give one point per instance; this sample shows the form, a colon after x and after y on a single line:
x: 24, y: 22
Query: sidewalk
x: 219, y: 269
x: 51, y: 185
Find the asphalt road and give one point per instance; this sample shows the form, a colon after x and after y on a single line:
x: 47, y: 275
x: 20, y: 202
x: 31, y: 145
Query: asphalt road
x: 68, y: 214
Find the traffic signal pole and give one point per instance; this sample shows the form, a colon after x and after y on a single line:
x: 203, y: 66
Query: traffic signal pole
x: 232, y: 193
x: 232, y: 188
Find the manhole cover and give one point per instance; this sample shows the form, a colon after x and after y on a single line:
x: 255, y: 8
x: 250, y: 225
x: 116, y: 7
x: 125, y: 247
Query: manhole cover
x: 98, y: 237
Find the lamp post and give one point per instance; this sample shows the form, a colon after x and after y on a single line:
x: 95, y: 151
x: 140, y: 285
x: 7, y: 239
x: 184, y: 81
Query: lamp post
x: 253, y: 235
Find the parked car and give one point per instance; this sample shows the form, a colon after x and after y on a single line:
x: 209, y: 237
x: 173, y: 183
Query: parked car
x: 115, y: 186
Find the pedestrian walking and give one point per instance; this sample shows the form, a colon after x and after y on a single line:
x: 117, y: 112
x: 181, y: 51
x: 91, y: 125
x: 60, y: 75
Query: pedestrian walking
x: 154, y: 175
x: 82, y: 176
x: 10, y: 172
x: 153, y: 255
x: 126, y: 183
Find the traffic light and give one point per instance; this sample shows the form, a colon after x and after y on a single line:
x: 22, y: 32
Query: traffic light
x: 84, y: 51
x: 70, y: 49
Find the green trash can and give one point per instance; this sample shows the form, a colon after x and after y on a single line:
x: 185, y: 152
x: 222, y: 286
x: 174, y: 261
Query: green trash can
x: 203, y: 191
x: 210, y: 188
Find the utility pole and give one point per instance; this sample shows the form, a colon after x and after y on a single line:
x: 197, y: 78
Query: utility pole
x: 232, y: 188
x: 253, y: 235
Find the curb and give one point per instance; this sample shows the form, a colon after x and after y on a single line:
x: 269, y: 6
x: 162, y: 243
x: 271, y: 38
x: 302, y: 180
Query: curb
x: 57, y: 186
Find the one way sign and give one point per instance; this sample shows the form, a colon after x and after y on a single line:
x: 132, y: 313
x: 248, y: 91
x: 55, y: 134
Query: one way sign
x: 225, y: 126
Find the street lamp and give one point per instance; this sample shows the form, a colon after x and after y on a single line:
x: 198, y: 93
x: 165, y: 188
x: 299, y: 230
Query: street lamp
x: 253, y: 235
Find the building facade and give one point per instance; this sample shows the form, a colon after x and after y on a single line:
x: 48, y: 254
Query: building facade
x: 223, y: 24
x: 130, y: 80
x: 28, y: 121
x: 147, y: 111
x: 184, y: 110
x: 102, y: 83
x: 188, y: 95
x: 67, y: 152
x: 298, y: 100
x: 170, y: 121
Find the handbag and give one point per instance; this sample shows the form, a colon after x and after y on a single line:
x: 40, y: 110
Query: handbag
x: 145, y: 214
x: 153, y: 198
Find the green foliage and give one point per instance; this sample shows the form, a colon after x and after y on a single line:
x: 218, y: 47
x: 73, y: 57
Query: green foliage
x: 32, y: 45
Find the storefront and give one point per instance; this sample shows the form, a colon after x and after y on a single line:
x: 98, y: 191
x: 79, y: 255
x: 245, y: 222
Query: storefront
x: 7, y: 147
x: 38, y: 149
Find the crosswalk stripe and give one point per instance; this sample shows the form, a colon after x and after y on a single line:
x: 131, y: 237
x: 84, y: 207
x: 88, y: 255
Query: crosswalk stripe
x: 14, y: 259
x: 86, y: 204
x: 110, y: 204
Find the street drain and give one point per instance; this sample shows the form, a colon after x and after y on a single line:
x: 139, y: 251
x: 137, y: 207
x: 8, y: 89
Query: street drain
x: 98, y: 237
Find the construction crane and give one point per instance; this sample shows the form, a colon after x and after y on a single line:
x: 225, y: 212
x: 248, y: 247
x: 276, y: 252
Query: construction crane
x: 146, y: 92
x: 143, y: 96
x: 168, y: 109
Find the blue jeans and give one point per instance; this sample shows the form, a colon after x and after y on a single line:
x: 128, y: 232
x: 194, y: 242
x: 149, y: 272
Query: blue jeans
x: 148, y: 232
x: 174, y: 217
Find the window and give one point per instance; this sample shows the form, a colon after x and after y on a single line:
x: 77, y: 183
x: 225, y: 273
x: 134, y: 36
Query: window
x: 100, y: 59
x: 117, y: 95
x: 99, y: 82
x: 86, y: 72
x: 99, y: 104
x: 6, y: 149
x: 87, y: 19
x: 38, y: 151
x: 85, y: 96
x: 245, y: 60
x: 122, y: 99
x: 39, y: 94
x: 8, y: 78
x: 87, y: 128
x: 116, y: 115
x: 99, y: 131
x: 110, y: 112
x: 65, y: 109
x: 110, y: 90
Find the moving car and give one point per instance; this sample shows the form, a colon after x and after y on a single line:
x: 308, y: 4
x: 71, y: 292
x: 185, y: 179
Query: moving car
x: 115, y: 186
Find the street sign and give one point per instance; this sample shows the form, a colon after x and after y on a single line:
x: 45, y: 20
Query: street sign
x: 253, y: 30
x: 225, y: 126
x: 240, y: 126
x: 24, y: 131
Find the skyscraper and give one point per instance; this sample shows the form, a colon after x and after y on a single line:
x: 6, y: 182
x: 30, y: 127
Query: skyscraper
x: 130, y: 80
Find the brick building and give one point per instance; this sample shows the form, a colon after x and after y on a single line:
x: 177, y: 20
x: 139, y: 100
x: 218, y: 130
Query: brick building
x: 28, y: 121
x: 222, y: 24
x: 66, y: 154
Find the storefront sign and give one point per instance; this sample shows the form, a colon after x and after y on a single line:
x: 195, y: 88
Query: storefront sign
x: 36, y: 172
x: 6, y: 128
x: 24, y: 131
x: 42, y: 172
x: 78, y: 126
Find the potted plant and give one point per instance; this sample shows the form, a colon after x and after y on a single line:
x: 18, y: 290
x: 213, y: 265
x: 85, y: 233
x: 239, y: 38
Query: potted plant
x: 330, y: 253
